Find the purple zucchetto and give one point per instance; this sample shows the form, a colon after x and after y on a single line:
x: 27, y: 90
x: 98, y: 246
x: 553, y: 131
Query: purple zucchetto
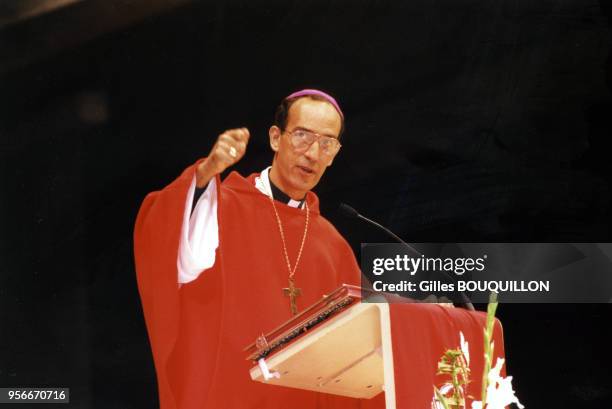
x: 325, y: 96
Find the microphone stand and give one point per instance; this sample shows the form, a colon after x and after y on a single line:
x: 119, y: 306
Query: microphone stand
x: 351, y: 212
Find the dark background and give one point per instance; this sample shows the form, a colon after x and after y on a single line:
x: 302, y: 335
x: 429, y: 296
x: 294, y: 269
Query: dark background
x: 467, y: 120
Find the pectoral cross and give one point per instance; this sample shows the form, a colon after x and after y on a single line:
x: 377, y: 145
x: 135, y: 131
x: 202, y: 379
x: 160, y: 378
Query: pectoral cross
x: 292, y: 292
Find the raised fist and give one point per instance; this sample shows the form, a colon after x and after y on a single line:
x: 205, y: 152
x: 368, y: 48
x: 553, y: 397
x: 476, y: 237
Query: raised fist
x: 227, y: 150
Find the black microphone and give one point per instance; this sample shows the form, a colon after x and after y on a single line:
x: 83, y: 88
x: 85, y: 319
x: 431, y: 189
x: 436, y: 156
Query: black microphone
x: 352, y: 213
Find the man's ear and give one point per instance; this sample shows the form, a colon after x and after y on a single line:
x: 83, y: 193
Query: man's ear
x: 275, y: 134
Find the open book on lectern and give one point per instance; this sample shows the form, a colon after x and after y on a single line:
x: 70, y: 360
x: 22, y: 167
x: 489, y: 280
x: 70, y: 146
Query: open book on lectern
x: 338, y: 345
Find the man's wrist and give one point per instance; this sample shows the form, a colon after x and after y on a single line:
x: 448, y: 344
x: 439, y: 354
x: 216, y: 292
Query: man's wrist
x: 204, y: 173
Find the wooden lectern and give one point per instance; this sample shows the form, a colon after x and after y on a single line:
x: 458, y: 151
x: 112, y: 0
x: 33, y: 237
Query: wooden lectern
x: 338, y: 346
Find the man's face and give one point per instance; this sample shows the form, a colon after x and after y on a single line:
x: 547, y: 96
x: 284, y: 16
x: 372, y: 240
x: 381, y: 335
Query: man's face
x: 293, y: 172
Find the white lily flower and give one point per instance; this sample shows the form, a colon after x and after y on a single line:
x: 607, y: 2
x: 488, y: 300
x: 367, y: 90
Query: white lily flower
x: 465, y: 348
x: 436, y: 404
x: 499, y: 391
x: 444, y: 389
x: 476, y: 404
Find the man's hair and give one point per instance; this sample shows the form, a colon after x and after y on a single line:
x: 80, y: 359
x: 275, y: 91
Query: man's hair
x: 282, y: 112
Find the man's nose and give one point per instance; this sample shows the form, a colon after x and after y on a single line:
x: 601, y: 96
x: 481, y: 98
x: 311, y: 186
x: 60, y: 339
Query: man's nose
x: 313, y: 151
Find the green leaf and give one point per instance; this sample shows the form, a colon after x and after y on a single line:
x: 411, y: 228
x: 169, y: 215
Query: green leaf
x: 441, y: 398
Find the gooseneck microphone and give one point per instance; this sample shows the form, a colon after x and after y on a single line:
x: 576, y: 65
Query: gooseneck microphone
x: 352, y: 213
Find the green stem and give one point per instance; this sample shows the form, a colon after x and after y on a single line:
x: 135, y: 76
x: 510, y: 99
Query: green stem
x: 488, y: 347
x: 441, y: 398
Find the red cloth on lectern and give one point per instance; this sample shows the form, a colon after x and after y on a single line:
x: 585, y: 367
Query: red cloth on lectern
x: 421, y: 333
x: 198, y: 332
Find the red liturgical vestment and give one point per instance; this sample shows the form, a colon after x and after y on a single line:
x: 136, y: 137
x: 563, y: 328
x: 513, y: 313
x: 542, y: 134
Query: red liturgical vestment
x: 198, y: 331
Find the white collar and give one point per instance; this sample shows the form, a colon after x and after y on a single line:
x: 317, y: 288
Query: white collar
x: 262, y: 183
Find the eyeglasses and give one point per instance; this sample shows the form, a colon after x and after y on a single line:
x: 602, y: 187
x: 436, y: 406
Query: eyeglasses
x: 302, y: 140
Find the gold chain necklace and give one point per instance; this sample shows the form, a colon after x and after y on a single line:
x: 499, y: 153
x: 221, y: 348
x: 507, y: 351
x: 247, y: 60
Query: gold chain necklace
x: 292, y: 291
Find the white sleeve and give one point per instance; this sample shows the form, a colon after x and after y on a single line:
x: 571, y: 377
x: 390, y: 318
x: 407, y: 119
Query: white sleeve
x: 199, y: 234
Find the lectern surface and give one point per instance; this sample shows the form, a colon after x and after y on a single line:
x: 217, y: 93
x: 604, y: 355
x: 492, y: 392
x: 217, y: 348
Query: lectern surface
x: 342, y: 356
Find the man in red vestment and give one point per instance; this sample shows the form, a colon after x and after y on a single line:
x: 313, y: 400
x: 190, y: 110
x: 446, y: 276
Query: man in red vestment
x: 219, y: 263
x: 266, y: 248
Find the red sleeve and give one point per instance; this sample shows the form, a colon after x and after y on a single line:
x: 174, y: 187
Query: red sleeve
x: 156, y: 240
x: 351, y: 272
